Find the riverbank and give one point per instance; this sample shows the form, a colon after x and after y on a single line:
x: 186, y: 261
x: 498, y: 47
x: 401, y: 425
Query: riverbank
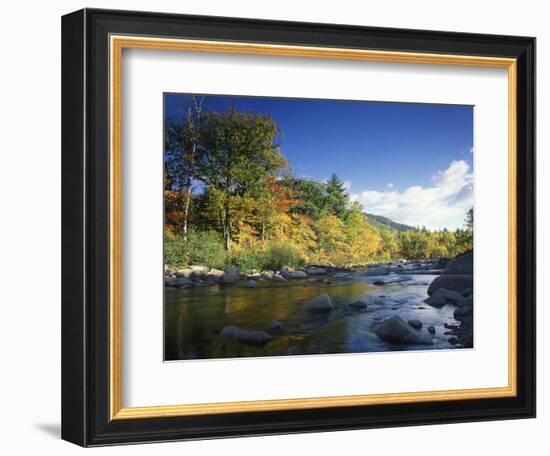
x: 403, y: 305
x: 197, y: 276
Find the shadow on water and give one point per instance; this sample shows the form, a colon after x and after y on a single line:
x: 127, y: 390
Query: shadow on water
x: 195, y: 317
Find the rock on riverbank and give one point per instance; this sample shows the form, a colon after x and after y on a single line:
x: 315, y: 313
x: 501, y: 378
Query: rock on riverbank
x: 455, y: 287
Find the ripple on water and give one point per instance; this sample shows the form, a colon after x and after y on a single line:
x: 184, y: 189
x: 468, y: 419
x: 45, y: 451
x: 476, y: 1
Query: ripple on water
x: 195, y: 317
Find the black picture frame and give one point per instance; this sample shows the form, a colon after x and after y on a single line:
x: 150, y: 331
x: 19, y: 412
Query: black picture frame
x: 85, y: 225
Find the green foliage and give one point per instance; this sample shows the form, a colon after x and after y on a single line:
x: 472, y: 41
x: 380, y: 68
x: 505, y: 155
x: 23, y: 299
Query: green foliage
x: 268, y: 255
x: 202, y: 248
x: 337, y: 197
x: 173, y: 249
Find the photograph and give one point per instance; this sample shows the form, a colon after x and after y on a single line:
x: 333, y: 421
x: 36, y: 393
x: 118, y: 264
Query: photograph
x: 315, y: 226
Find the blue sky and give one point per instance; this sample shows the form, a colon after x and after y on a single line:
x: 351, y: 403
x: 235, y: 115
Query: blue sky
x: 393, y: 156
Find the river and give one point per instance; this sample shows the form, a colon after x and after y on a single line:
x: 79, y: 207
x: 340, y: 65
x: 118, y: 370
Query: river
x: 195, y: 317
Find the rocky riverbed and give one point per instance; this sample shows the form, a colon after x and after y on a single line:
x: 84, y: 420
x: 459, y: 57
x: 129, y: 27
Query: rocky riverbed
x: 403, y: 305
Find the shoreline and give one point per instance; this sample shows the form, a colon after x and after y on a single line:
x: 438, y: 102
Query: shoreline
x: 452, y: 285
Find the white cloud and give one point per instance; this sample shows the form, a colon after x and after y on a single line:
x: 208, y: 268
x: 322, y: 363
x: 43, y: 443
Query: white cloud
x: 347, y: 184
x: 390, y: 185
x: 442, y: 205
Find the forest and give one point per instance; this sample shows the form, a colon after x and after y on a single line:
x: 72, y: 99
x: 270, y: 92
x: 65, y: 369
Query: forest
x: 231, y: 199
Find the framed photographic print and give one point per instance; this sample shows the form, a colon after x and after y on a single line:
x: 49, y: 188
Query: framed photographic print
x: 277, y: 227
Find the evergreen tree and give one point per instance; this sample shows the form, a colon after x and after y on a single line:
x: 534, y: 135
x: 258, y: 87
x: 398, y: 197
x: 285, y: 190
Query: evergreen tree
x: 337, y: 197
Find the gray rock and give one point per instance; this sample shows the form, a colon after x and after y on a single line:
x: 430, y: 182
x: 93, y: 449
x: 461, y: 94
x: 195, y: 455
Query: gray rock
x: 463, y: 264
x: 467, y: 292
x: 253, y: 277
x: 181, y: 282
x: 289, y: 275
x: 268, y: 275
x: 252, y: 337
x: 378, y: 282
x: 233, y: 269
x: 359, y: 304
x: 276, y: 325
x: 279, y: 278
x: 451, y: 297
x: 215, y: 273
x: 169, y: 271
x: 316, y: 271
x: 442, y: 262
x: 198, y: 271
x: 377, y: 270
x: 212, y: 280
x: 463, y: 311
x: 452, y: 340
x: 251, y: 284
x: 435, y: 300
x: 397, y: 330
x: 230, y: 331
x: 455, y: 282
x: 416, y: 324
x: 465, y: 302
x: 230, y: 277
x: 246, y: 336
x: 185, y: 273
x: 431, y: 329
x: 321, y: 303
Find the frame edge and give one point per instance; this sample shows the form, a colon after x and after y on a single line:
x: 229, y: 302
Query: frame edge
x: 73, y: 303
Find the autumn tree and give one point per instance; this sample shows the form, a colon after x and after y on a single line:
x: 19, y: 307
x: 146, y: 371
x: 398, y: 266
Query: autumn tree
x: 182, y: 148
x: 238, y: 155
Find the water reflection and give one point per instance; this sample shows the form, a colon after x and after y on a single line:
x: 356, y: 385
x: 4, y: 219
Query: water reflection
x: 194, y: 318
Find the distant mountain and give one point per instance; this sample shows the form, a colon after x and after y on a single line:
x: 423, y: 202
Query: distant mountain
x: 379, y: 221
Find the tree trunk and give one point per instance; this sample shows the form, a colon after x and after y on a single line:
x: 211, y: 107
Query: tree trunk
x: 187, y: 198
x: 227, y: 237
x: 186, y: 204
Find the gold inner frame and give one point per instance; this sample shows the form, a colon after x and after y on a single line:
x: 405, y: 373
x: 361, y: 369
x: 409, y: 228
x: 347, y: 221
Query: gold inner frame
x: 117, y: 44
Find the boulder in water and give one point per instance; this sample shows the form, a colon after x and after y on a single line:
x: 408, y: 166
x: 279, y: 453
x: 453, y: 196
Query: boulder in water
x: 181, y: 282
x: 246, y: 336
x: 316, y: 271
x: 251, y: 284
x: 436, y: 300
x: 289, y: 275
x: 455, y: 282
x: 416, y: 324
x: 321, y: 303
x: 252, y: 337
x: 462, y: 312
x: 230, y: 276
x: 359, y: 304
x: 463, y: 264
x: 397, y: 330
x: 276, y: 325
